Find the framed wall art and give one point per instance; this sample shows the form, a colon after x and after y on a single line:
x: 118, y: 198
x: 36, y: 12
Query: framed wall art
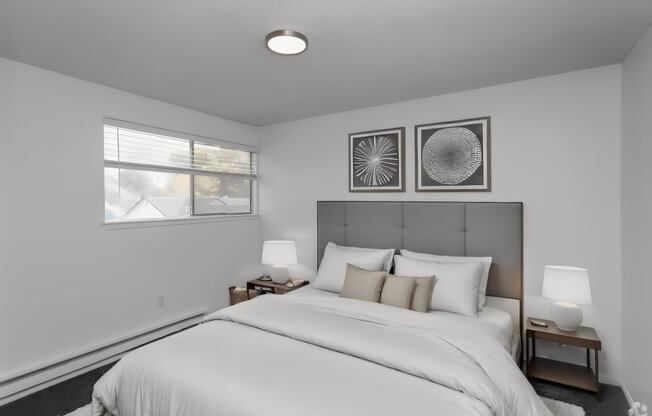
x: 377, y: 161
x: 453, y: 155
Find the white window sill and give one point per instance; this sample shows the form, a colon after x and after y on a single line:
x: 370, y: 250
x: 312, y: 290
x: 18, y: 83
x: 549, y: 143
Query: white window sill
x: 120, y: 225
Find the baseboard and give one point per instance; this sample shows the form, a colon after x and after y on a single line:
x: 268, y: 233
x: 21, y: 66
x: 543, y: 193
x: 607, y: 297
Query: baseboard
x: 606, y: 379
x: 26, y: 381
x: 628, y: 396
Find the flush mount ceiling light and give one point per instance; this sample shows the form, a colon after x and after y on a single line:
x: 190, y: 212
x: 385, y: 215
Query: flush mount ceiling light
x: 286, y: 42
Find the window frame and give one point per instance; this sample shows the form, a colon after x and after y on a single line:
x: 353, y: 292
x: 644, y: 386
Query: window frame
x: 191, y: 172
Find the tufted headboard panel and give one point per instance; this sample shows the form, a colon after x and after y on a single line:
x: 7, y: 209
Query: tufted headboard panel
x: 449, y: 228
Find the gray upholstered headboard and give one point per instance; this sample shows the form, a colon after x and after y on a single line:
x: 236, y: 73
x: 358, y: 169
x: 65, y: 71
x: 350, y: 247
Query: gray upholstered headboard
x: 449, y: 228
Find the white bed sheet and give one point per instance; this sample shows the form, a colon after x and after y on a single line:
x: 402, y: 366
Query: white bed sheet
x: 495, y: 316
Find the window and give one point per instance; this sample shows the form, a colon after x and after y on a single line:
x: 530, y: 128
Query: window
x: 152, y: 174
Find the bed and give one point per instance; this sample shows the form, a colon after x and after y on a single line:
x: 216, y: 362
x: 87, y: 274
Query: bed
x: 313, y: 352
x: 503, y: 315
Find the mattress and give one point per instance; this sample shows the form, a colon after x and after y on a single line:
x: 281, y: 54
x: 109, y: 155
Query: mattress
x: 492, y: 315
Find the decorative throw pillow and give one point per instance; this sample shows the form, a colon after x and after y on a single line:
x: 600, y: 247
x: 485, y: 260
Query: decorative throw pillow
x: 332, y: 269
x: 486, y: 263
x: 387, y: 253
x: 398, y: 291
x: 422, y: 293
x: 456, y: 284
x: 362, y: 284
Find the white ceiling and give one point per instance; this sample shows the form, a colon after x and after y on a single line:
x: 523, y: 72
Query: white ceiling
x: 210, y: 55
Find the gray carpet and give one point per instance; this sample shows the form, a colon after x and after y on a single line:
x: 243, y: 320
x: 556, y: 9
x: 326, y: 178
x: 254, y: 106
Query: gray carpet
x: 57, y: 400
x: 556, y: 407
x: 610, y: 402
x: 69, y: 395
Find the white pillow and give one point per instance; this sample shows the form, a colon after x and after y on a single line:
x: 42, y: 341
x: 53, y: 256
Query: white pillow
x: 486, y: 263
x: 332, y: 269
x: 456, y: 284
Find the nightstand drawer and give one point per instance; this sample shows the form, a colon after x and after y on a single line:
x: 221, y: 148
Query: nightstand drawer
x: 584, y: 337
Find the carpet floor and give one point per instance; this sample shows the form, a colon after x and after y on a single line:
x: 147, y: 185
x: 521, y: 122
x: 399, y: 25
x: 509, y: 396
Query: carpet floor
x: 556, y: 407
x: 610, y: 402
x: 73, y: 394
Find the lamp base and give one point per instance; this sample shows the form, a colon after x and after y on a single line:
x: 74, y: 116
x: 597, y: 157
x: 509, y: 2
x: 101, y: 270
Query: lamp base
x: 567, y: 316
x: 280, y: 274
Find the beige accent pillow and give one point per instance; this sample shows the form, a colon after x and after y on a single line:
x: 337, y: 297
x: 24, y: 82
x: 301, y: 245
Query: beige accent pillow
x: 362, y: 284
x: 422, y: 293
x: 398, y: 291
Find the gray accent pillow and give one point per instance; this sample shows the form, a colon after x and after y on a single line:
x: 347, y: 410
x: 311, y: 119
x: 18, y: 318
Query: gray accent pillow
x: 398, y: 291
x: 362, y: 284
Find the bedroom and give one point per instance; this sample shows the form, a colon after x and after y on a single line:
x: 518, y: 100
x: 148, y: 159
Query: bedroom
x: 105, y: 245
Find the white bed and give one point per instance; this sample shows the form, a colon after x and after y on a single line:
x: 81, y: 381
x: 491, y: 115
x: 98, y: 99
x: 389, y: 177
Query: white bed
x: 504, y: 314
x: 314, y: 353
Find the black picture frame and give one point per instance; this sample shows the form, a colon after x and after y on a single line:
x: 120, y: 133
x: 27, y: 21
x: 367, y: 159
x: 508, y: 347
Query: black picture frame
x: 443, y: 166
x: 386, y: 174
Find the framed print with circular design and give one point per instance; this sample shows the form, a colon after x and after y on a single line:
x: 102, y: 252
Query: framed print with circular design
x: 453, y: 155
x: 377, y: 161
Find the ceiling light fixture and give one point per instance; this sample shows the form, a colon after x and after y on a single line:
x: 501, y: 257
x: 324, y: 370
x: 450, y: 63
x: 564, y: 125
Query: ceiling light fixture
x: 286, y: 42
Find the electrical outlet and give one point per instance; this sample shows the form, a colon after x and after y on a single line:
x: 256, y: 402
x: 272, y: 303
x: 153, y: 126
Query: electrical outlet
x: 160, y: 301
x: 638, y: 409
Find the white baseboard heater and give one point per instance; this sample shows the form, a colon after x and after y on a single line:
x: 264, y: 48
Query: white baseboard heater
x: 25, y: 381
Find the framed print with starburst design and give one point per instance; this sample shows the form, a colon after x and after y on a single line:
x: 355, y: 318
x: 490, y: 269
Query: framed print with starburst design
x: 453, y: 155
x: 377, y: 161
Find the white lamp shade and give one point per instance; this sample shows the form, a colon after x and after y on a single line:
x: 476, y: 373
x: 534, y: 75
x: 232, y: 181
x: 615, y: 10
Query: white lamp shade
x: 567, y: 284
x: 279, y: 252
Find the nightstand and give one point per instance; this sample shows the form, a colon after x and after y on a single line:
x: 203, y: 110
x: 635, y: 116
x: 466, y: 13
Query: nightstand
x: 560, y: 372
x: 267, y: 286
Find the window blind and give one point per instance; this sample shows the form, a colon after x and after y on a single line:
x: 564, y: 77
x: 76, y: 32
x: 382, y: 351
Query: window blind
x: 132, y: 147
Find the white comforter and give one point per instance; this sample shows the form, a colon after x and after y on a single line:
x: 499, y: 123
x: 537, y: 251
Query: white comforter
x: 283, y: 355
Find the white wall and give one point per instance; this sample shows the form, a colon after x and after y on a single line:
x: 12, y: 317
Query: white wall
x: 637, y: 221
x: 555, y: 145
x: 67, y: 282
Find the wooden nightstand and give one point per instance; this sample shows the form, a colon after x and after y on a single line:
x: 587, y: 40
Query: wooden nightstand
x: 561, y: 372
x: 267, y: 286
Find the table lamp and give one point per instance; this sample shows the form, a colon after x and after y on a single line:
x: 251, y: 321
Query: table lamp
x: 279, y: 254
x: 568, y: 286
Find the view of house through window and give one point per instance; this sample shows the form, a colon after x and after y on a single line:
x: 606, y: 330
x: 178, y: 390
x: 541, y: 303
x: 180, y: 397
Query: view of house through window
x: 162, y: 176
